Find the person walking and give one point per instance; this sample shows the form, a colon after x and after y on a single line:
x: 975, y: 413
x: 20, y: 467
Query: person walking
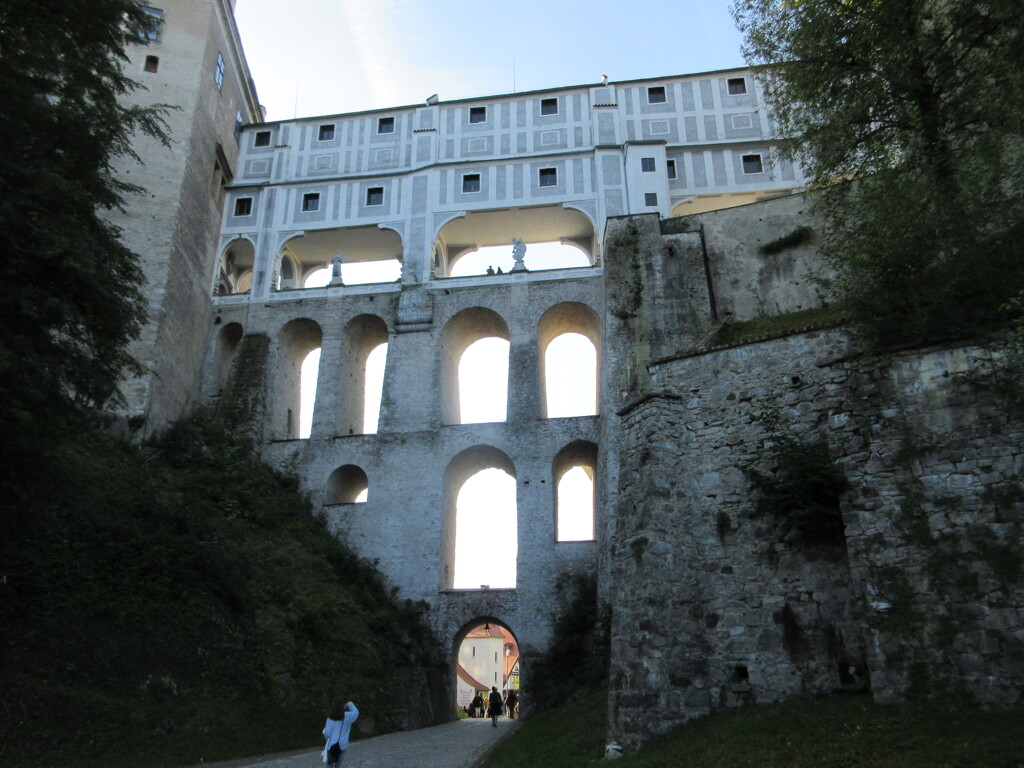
x: 337, y: 730
x: 494, y: 706
x: 510, y: 704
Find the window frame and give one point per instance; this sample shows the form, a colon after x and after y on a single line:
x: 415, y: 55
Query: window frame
x: 760, y: 163
x: 151, y: 65
x: 238, y: 203
x: 652, y: 92
x: 470, y: 177
x: 323, y: 128
x: 648, y: 165
x: 371, y: 191
x: 737, y: 81
x: 477, y: 112
x: 219, y: 70
x: 256, y: 142
x: 547, y: 173
x: 385, y: 121
x: 544, y: 103
x: 648, y: 196
x: 310, y: 202
x: 155, y: 24
x: 670, y: 168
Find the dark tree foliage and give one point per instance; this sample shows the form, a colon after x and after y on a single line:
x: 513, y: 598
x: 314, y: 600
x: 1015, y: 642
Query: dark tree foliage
x: 906, y: 114
x: 69, y: 289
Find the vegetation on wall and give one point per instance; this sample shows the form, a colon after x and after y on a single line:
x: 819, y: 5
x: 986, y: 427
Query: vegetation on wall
x: 906, y: 116
x: 179, y: 602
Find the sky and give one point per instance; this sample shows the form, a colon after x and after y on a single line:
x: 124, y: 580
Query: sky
x: 321, y: 57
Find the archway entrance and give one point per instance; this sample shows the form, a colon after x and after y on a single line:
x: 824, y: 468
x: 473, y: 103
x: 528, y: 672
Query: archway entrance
x: 486, y: 656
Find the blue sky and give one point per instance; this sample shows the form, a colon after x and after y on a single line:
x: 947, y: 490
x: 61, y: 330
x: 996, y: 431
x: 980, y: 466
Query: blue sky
x: 317, y: 57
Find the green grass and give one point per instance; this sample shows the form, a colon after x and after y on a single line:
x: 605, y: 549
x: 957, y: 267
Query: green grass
x: 778, y: 325
x: 835, y: 732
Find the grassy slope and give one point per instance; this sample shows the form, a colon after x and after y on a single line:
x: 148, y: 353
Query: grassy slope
x: 180, y: 603
x: 838, y: 732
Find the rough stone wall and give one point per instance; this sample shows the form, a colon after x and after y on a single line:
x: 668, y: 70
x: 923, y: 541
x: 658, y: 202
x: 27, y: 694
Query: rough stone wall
x: 925, y: 598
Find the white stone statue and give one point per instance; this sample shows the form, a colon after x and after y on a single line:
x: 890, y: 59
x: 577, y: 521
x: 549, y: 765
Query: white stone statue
x: 518, y: 254
x: 336, y: 270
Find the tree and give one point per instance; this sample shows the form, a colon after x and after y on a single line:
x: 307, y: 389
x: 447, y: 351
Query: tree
x: 906, y: 115
x: 69, y: 289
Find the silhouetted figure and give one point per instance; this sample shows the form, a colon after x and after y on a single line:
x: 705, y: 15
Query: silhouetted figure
x: 476, y: 707
x: 510, y: 704
x: 490, y: 270
x: 494, y: 706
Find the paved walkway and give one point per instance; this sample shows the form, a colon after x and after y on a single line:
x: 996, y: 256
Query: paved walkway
x: 461, y: 744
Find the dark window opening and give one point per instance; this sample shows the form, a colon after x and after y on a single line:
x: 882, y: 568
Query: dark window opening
x: 549, y: 106
x: 375, y: 196
x: 650, y: 198
x: 671, y: 165
x: 548, y: 177
x: 656, y: 94
x: 326, y: 133
x: 647, y: 164
x: 478, y: 114
x: 386, y: 125
x: 737, y: 86
x: 243, y: 206
x: 471, y: 182
x: 752, y: 164
x: 218, y: 73
x: 311, y: 201
x: 262, y: 139
x: 152, y: 64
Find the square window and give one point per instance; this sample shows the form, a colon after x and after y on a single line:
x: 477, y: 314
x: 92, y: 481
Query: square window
x: 671, y: 165
x: 647, y: 164
x: 243, y: 206
x: 547, y: 177
x: 471, y: 182
x: 737, y: 86
x: 656, y: 94
x: 218, y: 73
x: 549, y: 106
x: 375, y: 196
x: 326, y: 133
x: 311, y: 201
x: 650, y: 198
x: 151, y: 25
x: 386, y: 125
x: 752, y: 164
x: 262, y: 139
x: 478, y: 114
x: 152, y: 64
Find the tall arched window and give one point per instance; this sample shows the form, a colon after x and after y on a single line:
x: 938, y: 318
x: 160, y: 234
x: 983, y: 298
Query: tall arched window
x: 573, y: 470
x: 569, y: 338
x: 363, y: 357
x: 309, y: 374
x: 474, y: 367
x: 294, y: 382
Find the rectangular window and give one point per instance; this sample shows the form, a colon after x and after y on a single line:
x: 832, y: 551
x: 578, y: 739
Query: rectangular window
x: 375, y: 196
x: 549, y: 106
x: 218, y: 73
x: 152, y: 64
x: 243, y: 206
x: 326, y: 133
x: 650, y: 198
x: 478, y: 114
x: 656, y: 94
x: 647, y: 164
x: 752, y: 164
x: 262, y: 139
x: 471, y: 182
x: 386, y: 125
x: 151, y: 25
x: 547, y: 177
x: 671, y: 164
x: 311, y: 201
x: 737, y: 86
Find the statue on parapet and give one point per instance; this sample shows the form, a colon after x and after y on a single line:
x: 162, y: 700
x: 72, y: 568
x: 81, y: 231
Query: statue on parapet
x: 518, y: 254
x: 336, y: 270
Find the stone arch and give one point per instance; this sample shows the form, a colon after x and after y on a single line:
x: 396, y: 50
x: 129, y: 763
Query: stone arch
x: 235, y: 267
x: 460, y: 670
x: 345, y: 484
x: 362, y: 335
x: 460, y: 469
x: 296, y: 339
x: 567, y: 317
x: 465, y: 328
x: 228, y: 339
x: 580, y: 454
x: 314, y: 249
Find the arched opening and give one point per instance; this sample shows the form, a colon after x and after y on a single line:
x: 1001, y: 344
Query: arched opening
x: 369, y: 255
x: 485, y: 656
x: 556, y: 237
x: 569, y: 340
x: 347, y: 484
x: 573, y: 471
x: 228, y: 340
x: 294, y: 382
x: 474, y: 383
x: 235, y: 272
x: 363, y: 356
x: 480, y: 541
